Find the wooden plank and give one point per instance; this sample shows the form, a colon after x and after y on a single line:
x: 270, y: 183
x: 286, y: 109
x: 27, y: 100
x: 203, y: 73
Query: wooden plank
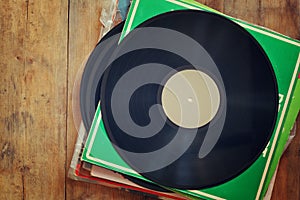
x: 217, y: 5
x: 282, y: 16
x: 244, y: 9
x: 13, y: 24
x: 33, y: 99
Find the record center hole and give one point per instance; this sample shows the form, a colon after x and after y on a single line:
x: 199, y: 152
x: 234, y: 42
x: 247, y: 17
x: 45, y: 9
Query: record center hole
x: 190, y: 98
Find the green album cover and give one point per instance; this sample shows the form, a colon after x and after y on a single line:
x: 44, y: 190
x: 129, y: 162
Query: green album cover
x: 284, y: 54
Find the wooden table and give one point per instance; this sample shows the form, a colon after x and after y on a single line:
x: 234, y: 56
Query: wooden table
x: 43, y: 43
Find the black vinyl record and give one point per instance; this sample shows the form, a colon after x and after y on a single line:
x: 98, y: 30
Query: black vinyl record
x: 92, y: 75
x: 91, y: 85
x: 140, y: 130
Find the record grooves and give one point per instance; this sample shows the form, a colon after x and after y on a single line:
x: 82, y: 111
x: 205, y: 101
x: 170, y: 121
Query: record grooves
x: 91, y: 85
x: 243, y: 123
x: 92, y: 77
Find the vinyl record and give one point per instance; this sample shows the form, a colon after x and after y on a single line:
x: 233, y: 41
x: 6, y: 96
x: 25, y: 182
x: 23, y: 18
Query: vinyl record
x: 91, y: 84
x: 92, y: 75
x: 190, y: 100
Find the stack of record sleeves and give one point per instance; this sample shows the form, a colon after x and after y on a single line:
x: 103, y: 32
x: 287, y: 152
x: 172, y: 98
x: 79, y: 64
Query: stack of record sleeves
x: 181, y: 101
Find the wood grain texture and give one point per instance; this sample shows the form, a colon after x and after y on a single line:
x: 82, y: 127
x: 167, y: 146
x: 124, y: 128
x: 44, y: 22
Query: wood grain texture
x: 43, y: 45
x: 33, y: 99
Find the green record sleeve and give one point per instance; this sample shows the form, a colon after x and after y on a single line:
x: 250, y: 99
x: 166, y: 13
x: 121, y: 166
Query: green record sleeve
x: 284, y: 54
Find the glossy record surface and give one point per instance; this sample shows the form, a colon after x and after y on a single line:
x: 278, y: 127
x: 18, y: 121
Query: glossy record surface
x: 247, y: 115
x: 91, y: 85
